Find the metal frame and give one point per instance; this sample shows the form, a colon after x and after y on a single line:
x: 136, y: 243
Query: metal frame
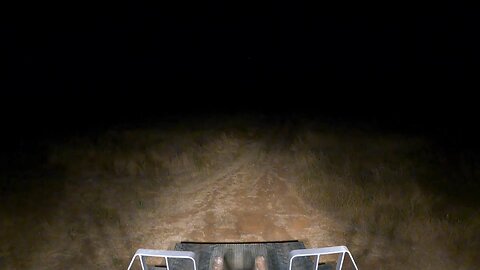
x: 189, y: 255
x: 142, y: 253
x: 322, y: 251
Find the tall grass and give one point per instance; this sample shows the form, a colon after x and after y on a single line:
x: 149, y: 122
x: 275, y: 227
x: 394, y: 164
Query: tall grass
x: 382, y: 187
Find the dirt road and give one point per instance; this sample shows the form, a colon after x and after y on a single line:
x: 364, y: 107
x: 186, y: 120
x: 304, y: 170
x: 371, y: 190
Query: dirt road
x: 248, y: 200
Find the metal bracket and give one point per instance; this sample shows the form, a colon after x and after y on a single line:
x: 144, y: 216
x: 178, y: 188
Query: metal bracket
x: 341, y: 250
x: 143, y: 253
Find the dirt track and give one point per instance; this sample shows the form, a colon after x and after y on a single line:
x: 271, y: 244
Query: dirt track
x: 248, y: 200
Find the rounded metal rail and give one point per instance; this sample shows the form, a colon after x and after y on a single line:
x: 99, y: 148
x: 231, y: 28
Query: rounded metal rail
x: 341, y: 250
x: 142, y: 254
x: 174, y: 254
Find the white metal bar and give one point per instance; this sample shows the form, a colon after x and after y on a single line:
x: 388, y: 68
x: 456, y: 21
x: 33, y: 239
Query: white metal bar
x: 341, y: 250
x: 353, y: 261
x: 340, y: 259
x: 142, y: 253
x: 316, y: 263
x: 131, y: 262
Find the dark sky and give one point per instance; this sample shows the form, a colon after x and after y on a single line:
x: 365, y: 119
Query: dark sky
x: 91, y: 61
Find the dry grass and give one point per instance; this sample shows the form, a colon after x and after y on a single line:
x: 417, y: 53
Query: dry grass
x: 91, y: 213
x: 373, y: 183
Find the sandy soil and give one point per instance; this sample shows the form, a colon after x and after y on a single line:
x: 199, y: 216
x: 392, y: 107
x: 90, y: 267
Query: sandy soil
x: 248, y: 200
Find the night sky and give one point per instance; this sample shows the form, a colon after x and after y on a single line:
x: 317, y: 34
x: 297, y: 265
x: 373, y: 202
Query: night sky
x: 72, y: 65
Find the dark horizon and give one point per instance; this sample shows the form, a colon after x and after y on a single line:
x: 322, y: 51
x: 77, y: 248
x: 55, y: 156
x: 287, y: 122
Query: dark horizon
x: 79, y: 69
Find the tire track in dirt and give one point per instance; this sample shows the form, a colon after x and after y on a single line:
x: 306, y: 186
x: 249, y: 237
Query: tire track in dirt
x: 249, y: 200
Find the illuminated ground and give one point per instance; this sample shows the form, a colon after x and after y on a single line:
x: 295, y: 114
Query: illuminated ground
x: 100, y: 199
x: 247, y: 200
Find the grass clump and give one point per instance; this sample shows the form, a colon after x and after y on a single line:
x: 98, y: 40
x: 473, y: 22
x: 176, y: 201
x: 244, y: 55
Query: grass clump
x: 384, y: 188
